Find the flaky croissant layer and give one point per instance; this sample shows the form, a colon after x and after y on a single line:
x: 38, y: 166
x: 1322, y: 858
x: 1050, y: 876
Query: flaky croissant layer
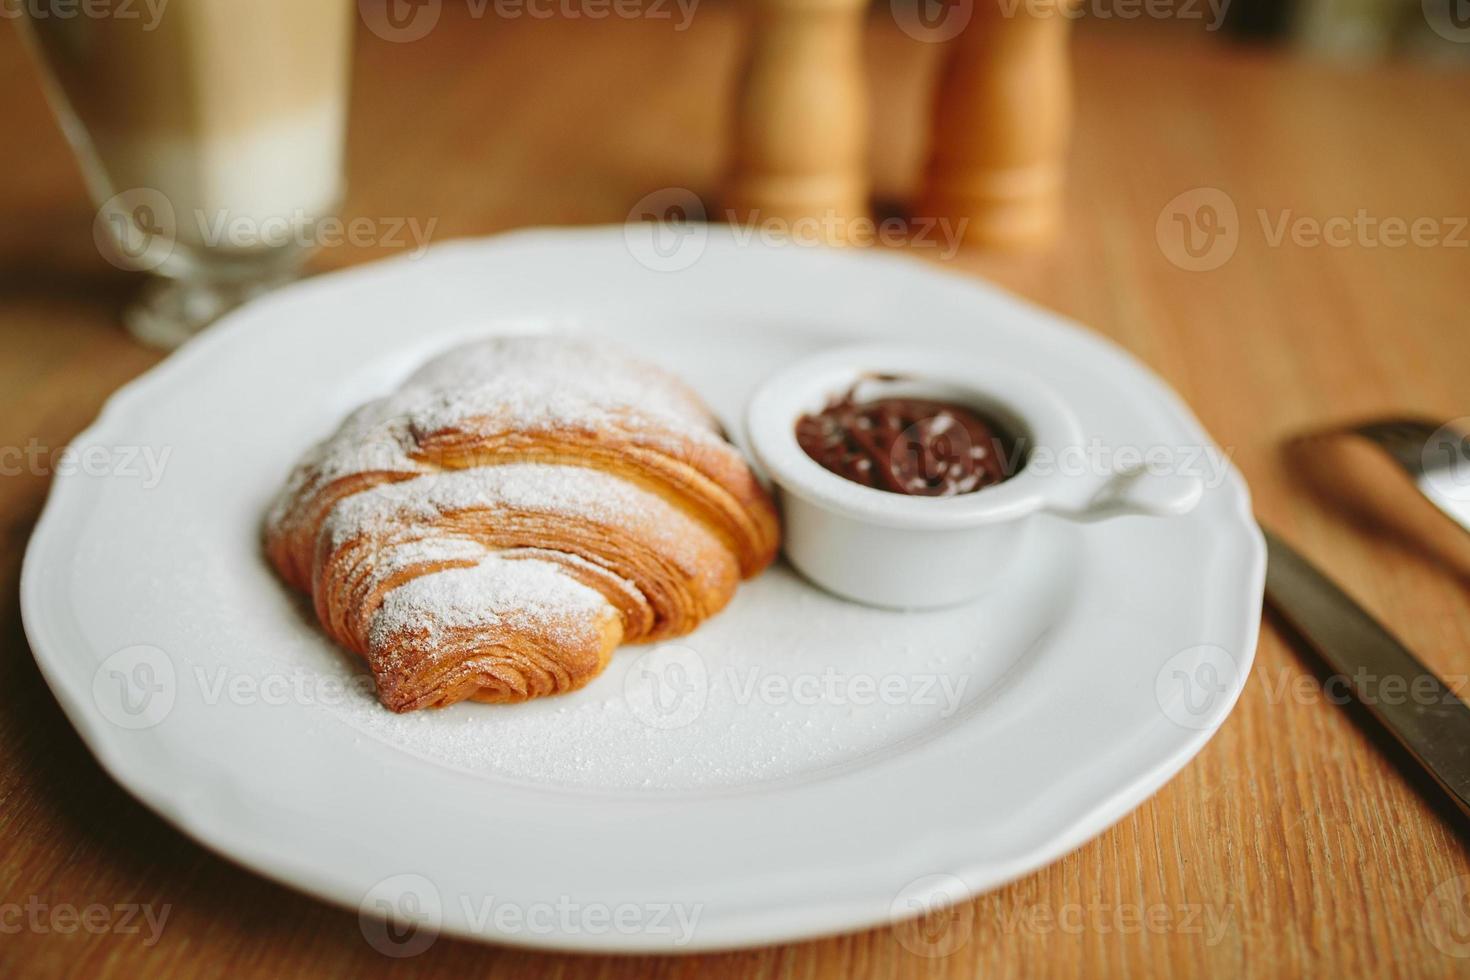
x: 522, y: 505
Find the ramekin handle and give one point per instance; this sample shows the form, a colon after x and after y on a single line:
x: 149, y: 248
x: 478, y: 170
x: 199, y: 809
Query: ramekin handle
x: 1135, y: 492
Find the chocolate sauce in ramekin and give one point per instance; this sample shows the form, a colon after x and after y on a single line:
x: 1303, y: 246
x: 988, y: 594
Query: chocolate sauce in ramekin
x: 912, y: 446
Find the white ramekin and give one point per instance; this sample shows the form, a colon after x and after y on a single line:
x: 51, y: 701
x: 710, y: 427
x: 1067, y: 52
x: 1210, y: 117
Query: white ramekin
x: 910, y: 552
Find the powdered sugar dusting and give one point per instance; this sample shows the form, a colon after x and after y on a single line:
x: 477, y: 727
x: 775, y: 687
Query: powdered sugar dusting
x: 390, y: 561
x: 533, y: 381
x: 541, y: 488
x: 525, y: 384
x: 497, y: 591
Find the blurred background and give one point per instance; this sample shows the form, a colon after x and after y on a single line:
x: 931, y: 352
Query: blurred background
x: 471, y: 117
x: 1357, y: 29
x: 510, y: 113
x: 490, y: 115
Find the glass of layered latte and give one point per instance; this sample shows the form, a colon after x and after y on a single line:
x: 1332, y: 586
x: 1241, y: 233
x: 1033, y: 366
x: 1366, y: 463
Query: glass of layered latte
x: 210, y: 134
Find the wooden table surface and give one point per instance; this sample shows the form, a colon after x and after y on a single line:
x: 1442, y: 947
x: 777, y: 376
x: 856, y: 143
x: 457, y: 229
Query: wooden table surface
x: 1293, y: 845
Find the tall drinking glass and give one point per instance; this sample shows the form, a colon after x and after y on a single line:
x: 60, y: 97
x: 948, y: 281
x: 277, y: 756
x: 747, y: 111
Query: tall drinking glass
x: 210, y: 135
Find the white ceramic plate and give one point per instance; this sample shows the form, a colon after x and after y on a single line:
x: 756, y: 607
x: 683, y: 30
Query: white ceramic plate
x: 798, y: 766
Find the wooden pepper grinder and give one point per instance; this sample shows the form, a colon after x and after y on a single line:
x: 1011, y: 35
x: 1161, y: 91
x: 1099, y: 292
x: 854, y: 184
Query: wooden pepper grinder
x: 1001, y: 123
x: 801, y: 121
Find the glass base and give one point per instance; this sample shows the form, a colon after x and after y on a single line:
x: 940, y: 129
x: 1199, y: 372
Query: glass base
x: 170, y: 311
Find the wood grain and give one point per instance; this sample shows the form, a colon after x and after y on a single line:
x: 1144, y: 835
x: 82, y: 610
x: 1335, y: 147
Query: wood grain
x: 1295, y: 827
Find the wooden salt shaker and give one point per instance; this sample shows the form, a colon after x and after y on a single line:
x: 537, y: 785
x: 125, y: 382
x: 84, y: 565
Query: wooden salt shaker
x: 801, y: 121
x: 1002, y: 119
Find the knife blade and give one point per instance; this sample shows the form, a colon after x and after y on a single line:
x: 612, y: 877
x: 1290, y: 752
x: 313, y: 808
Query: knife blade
x: 1422, y: 713
x: 1436, y: 459
x: 1434, y: 482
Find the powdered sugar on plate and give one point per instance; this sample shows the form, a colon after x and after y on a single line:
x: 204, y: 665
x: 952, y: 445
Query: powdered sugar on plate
x: 787, y: 682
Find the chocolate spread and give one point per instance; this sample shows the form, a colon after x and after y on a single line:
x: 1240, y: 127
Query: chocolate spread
x: 906, y: 445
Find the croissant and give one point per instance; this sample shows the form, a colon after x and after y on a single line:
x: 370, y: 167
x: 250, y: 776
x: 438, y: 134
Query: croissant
x: 516, y: 510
